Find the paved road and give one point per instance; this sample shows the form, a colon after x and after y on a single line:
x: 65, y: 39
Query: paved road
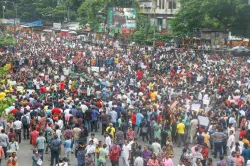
x: 25, y: 154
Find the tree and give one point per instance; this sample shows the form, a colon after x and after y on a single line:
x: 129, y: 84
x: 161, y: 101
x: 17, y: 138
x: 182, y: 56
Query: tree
x: 221, y: 14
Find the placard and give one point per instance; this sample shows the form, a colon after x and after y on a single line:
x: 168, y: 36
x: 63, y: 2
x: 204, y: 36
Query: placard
x: 94, y: 69
x: 10, y: 82
x: 203, y: 120
x: 206, y: 102
x: 195, y: 107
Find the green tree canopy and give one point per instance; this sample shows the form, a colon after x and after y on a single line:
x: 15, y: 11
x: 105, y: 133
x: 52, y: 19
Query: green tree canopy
x: 222, y: 14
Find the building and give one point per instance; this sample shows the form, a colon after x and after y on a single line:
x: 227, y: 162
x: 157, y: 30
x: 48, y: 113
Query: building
x: 161, y: 10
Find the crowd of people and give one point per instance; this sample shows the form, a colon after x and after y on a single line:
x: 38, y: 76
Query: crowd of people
x: 146, y: 102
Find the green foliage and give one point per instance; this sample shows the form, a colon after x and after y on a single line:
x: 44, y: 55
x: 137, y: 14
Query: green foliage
x: 7, y: 40
x: 221, y: 14
x: 6, y: 103
x: 144, y: 33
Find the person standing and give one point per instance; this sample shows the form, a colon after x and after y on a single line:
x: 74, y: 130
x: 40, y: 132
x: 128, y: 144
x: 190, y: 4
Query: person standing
x: 1, y: 154
x: 239, y: 159
x: 246, y: 153
x: 138, y: 159
x: 33, y: 136
x: 114, y: 155
x: 193, y: 128
x: 95, y: 114
x: 113, y: 117
x: 55, y: 146
x: 230, y: 141
x: 103, y: 155
x: 18, y: 129
x: 104, y: 120
x: 218, y: 137
x: 76, y: 133
x: 126, y: 153
x: 40, y: 141
x: 4, y: 142
x: 146, y: 155
x: 204, y: 153
x: 156, y: 147
x: 180, y: 133
x: 25, y: 119
x: 119, y: 137
x: 67, y: 149
x: 130, y: 134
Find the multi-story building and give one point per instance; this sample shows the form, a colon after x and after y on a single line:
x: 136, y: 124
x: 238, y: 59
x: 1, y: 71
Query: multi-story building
x: 160, y: 11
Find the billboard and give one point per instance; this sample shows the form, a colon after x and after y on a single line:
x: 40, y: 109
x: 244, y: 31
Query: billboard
x: 122, y: 18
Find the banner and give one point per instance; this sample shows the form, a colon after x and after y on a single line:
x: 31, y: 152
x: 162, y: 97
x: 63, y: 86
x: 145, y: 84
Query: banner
x: 122, y: 18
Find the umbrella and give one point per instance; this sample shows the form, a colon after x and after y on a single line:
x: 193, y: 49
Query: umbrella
x: 56, y: 111
x: 72, y: 32
x: 104, y: 83
x: 14, y: 111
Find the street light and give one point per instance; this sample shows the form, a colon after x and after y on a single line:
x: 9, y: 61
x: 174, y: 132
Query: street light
x: 15, y: 7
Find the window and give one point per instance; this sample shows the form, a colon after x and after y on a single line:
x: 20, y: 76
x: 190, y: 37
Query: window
x: 159, y: 21
x: 160, y: 4
x: 172, y: 5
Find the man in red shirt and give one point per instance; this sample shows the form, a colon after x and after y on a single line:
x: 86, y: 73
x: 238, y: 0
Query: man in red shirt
x: 33, y: 136
x: 139, y: 75
x: 133, y: 120
x: 243, y: 132
x: 114, y: 154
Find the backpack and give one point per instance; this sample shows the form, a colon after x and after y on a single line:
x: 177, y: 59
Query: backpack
x: 25, y: 121
x: 223, y: 163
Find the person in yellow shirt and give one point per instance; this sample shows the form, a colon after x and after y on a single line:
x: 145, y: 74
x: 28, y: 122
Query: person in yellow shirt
x: 111, y: 130
x: 153, y: 96
x: 116, y: 60
x: 180, y: 133
x: 245, y: 141
x: 151, y: 86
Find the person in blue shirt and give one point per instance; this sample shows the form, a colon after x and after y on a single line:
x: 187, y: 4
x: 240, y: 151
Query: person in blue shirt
x: 48, y: 135
x: 95, y: 114
x: 246, y: 152
x: 118, y: 109
x: 67, y: 148
x: 48, y: 112
x: 139, y: 118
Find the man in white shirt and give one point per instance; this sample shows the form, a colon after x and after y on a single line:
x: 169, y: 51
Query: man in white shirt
x: 60, y: 124
x: 126, y: 153
x: 18, y: 127
x: 95, y: 140
x: 156, y: 147
x: 138, y: 160
x: 230, y: 141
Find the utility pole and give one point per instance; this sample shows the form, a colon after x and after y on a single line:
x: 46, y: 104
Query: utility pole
x: 155, y: 6
x: 3, y: 11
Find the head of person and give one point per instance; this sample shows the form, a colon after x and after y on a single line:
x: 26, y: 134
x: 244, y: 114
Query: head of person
x: 145, y: 148
x: 153, y: 156
x: 198, y: 161
x: 111, y: 125
x: 12, y: 139
x: 181, y: 162
x: 92, y: 135
x: 125, y: 142
x: 209, y: 161
x: 233, y: 154
x: 2, y: 131
x: 237, y: 154
x: 221, y: 157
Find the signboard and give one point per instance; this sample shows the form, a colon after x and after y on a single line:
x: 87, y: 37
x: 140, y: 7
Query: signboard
x: 57, y: 26
x: 10, y: 21
x: 122, y: 18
